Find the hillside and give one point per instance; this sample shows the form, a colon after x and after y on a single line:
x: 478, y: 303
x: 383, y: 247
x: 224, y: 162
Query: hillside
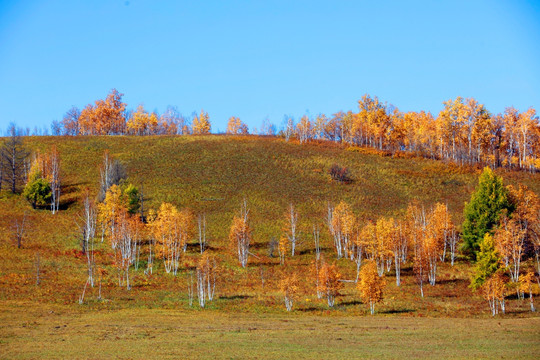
x: 213, y: 175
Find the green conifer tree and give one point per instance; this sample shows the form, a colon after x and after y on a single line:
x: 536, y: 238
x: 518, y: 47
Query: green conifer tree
x: 38, y: 192
x: 482, y: 212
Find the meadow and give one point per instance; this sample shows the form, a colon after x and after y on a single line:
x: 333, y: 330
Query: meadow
x: 213, y: 175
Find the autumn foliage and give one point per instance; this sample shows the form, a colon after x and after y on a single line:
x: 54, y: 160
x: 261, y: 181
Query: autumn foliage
x: 371, y: 285
x: 105, y: 117
x: 329, y: 283
x: 464, y: 131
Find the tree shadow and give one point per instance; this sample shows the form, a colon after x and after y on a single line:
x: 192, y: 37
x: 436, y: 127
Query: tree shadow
x: 452, y: 281
x: 66, y: 204
x: 309, y: 309
x: 351, y: 302
x: 235, y: 297
x: 397, y: 311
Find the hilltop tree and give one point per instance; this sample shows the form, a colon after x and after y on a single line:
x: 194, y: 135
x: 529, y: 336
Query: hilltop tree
x: 483, y: 211
x: 143, y: 123
x: 235, y: 126
x: 201, y: 124
x: 70, y: 122
x: 105, y: 117
x: 371, y: 285
x: 304, y: 129
x: 172, y: 122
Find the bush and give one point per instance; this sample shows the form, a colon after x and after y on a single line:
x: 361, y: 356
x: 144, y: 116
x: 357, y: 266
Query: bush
x: 38, y: 192
x: 339, y: 173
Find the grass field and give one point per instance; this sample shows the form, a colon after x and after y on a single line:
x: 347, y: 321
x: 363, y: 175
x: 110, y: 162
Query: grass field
x: 46, y: 332
x: 213, y: 174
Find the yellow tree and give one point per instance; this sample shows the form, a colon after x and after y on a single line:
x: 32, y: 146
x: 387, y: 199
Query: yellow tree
x: 527, y: 122
x: 138, y: 124
x: 452, y: 120
x: 109, y: 213
x: 319, y: 128
x: 122, y: 230
x: 235, y: 126
x: 377, y: 239
x: 373, y: 118
x: 105, y: 117
x: 399, y: 245
x: 304, y: 129
x: 201, y: 124
x: 437, y: 232
x: 47, y: 166
x: 371, y: 285
x: 207, y: 271
x: 420, y: 265
x: 515, y: 234
x: 329, y: 283
x: 494, y: 291
x: 484, y: 138
x: 240, y: 235
x: 171, y: 230
x: 526, y: 284
x: 342, y: 226
x: 283, y: 247
x: 128, y: 243
x: 510, y: 120
x: 289, y: 288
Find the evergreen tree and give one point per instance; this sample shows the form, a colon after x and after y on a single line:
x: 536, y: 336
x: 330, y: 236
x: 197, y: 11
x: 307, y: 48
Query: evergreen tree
x: 38, y: 192
x: 488, y: 262
x: 482, y: 212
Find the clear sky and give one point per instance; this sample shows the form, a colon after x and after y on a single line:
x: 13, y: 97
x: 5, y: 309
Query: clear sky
x: 264, y: 59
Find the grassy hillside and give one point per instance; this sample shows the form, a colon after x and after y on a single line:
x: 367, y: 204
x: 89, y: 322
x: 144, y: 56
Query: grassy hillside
x: 213, y: 174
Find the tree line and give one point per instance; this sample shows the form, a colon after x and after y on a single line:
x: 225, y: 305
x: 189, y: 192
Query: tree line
x: 464, y: 131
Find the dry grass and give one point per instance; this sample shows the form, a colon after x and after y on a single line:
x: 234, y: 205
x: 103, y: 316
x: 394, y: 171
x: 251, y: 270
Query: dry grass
x: 46, y: 332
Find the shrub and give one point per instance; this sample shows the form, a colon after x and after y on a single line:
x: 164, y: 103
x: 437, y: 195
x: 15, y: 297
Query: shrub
x: 339, y: 173
x: 38, y: 192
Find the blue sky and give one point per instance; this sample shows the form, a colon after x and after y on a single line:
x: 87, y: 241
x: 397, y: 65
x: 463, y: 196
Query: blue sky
x: 265, y: 59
